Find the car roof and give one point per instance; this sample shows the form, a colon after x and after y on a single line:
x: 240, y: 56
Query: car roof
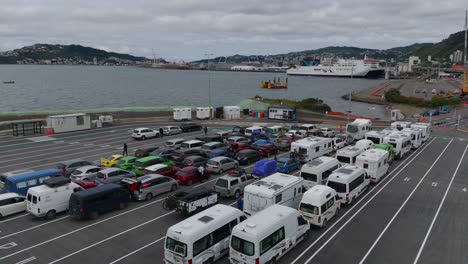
x: 144, y: 159
x: 97, y: 189
x: 8, y: 195
x: 156, y: 167
x: 87, y: 167
x: 141, y: 128
x: 193, y: 157
x: 151, y: 177
x: 108, y: 170
x: 212, y: 143
x: 219, y: 158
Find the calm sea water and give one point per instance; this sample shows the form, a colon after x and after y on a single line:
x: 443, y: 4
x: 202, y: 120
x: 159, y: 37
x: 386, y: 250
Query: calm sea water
x: 41, y: 87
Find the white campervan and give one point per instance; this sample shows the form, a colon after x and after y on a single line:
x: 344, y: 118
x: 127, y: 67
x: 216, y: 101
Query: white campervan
x: 348, y: 154
x: 425, y: 129
x: 358, y: 128
x: 267, y: 236
x: 310, y: 148
x: 277, y: 188
x: 401, y: 144
x: 349, y: 182
x: 319, y: 204
x: 415, y: 135
x: 254, y: 130
x: 377, y: 136
x: 202, y: 238
x: 50, y: 198
x: 375, y: 162
x: 306, y: 128
x: 399, y: 125
x: 364, y: 144
x: 317, y: 171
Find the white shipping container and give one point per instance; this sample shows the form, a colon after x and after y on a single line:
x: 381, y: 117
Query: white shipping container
x: 204, y: 112
x: 181, y: 114
x: 68, y: 123
x: 231, y: 112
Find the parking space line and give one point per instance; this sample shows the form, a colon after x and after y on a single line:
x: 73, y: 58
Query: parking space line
x: 8, y: 220
x: 138, y: 250
x: 26, y: 260
x: 439, y: 208
x: 416, y: 154
x: 34, y: 227
x: 403, y: 205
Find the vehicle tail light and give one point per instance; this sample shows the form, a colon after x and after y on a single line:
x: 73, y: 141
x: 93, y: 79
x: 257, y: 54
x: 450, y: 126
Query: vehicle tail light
x: 257, y: 261
x: 38, y: 210
x: 133, y: 187
x: 319, y: 219
x: 189, y: 261
x: 347, y: 197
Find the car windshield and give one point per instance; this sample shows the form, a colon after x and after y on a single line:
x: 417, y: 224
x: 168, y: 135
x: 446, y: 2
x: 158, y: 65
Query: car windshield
x: 309, y: 176
x: 177, y: 247
x: 212, y: 162
x: 139, y: 163
x: 223, y: 183
x: 77, y: 172
x: 343, y: 159
x: 308, y: 208
x: 339, y: 187
x: 242, y: 246
x: 101, y: 175
x: 187, y: 161
x: 280, y: 163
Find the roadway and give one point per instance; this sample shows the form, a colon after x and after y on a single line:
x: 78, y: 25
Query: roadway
x: 416, y: 214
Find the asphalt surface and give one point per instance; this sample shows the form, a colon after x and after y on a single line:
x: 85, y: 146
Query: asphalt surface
x: 416, y: 214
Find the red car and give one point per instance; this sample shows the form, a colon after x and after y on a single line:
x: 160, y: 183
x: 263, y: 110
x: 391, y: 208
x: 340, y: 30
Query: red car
x: 238, y: 146
x: 189, y: 175
x: 162, y: 169
x: 86, y: 184
x: 267, y: 150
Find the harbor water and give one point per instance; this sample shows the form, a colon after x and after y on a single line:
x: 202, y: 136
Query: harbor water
x: 61, y: 87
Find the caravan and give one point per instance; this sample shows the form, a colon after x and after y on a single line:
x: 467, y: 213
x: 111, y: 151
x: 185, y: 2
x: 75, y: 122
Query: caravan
x: 278, y: 188
x: 317, y: 171
x: 358, y: 128
x: 375, y: 162
x: 425, y: 129
x: 377, y: 136
x: 401, y: 144
x: 349, y: 182
x: 310, y: 148
x: 399, y: 125
x: 349, y: 154
x: 267, y: 236
x: 319, y: 205
x: 415, y: 135
x: 202, y: 238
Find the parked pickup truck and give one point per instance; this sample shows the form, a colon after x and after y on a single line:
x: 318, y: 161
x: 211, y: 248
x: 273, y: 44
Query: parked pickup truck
x: 192, y: 201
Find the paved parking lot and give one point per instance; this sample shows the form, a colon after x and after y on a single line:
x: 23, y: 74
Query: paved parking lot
x: 417, y: 214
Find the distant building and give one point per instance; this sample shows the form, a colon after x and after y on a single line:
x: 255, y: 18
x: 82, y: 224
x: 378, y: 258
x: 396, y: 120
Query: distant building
x: 413, y: 60
x: 95, y: 61
x: 403, y: 67
x: 457, y: 56
x: 429, y: 58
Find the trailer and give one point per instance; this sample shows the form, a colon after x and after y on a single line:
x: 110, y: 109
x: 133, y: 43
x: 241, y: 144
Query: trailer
x: 68, y: 123
x: 181, y: 114
x: 281, y: 113
x: 204, y: 112
x: 231, y: 112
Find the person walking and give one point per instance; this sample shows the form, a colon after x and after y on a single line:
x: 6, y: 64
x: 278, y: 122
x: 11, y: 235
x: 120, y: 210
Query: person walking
x: 240, y: 203
x: 125, y: 150
x: 201, y: 172
x: 205, y: 129
x: 161, y: 131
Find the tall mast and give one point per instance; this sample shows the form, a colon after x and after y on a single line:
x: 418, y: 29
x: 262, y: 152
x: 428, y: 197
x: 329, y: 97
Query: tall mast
x: 464, y: 89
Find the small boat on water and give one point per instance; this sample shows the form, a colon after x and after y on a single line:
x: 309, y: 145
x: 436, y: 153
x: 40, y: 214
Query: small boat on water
x: 275, y: 84
x: 8, y: 82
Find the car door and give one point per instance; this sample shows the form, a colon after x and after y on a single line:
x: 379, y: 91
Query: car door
x: 16, y: 205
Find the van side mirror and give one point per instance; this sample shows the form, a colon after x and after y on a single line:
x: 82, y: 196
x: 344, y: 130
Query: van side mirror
x: 337, y: 197
x: 367, y: 176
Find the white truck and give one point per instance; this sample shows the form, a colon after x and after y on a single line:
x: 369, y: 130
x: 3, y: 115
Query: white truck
x: 310, y: 148
x: 358, y: 128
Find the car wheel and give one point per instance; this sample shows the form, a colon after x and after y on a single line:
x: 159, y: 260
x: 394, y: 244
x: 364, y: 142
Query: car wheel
x: 149, y: 196
x: 173, y: 188
x: 143, y: 138
x: 324, y: 224
x: 94, y: 215
x: 237, y: 194
x: 51, y: 214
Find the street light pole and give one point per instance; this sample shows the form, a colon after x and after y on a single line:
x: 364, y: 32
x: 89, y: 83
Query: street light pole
x: 209, y: 86
x: 349, y: 97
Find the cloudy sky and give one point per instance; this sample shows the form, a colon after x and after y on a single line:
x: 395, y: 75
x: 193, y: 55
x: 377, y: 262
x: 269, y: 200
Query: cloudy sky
x: 188, y: 29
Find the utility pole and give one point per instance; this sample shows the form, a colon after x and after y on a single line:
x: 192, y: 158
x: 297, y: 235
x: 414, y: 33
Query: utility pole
x: 209, y: 85
x: 349, y: 97
x: 464, y: 88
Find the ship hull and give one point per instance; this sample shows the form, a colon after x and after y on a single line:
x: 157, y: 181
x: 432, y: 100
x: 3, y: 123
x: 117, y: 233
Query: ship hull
x: 372, y: 74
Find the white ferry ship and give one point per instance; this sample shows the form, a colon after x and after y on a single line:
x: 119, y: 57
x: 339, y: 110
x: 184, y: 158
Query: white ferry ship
x: 367, y: 68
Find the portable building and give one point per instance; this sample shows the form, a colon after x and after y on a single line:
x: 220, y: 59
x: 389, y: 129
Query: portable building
x: 231, y: 112
x: 181, y: 114
x: 282, y: 113
x: 68, y: 123
x: 204, y: 112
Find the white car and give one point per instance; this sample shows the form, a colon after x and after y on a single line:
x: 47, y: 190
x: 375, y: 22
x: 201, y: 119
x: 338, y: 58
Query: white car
x: 11, y: 203
x: 88, y: 172
x: 144, y: 133
x: 327, y: 132
x: 171, y: 130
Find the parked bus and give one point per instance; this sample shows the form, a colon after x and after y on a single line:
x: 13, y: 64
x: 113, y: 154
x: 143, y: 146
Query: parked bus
x: 20, y: 183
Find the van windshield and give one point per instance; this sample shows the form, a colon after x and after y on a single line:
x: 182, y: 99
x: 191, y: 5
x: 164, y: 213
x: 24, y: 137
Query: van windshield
x: 339, y: 187
x: 308, y: 208
x: 374, y: 139
x: 176, y: 246
x: 242, y: 246
x: 393, y: 144
x: 185, y: 145
x: 343, y: 159
x: 309, y: 176
x: 352, y: 129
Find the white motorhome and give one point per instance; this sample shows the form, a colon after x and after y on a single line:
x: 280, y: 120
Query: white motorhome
x: 50, y: 198
x: 317, y: 171
x: 375, y: 162
x: 377, y: 136
x: 277, y: 188
x: 348, y: 155
x: 306, y: 128
x: 202, y: 238
x: 319, y: 204
x: 364, y: 144
x: 349, y: 182
x: 425, y: 129
x: 415, y: 135
x: 267, y: 236
x: 358, y: 128
x: 310, y: 148
x: 254, y: 130
x: 399, y: 125
x: 401, y: 144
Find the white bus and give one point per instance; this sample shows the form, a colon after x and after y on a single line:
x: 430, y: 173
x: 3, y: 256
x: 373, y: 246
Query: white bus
x: 376, y: 136
x: 277, y: 188
x: 425, y: 129
x: 317, y: 171
x: 348, y: 155
x: 358, y: 128
x: 319, y: 204
x: 401, y: 144
x: 202, y: 238
x: 375, y: 162
x: 267, y: 236
x: 349, y: 182
x: 310, y: 148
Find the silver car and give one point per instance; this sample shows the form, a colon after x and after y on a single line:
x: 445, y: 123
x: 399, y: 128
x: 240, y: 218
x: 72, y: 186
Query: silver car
x: 233, y: 184
x: 171, y: 130
x: 221, y: 164
x: 148, y: 186
x: 85, y: 173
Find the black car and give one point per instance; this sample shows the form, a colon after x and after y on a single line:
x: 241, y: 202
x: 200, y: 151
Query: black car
x: 179, y: 156
x: 248, y: 156
x: 239, y: 129
x: 211, y: 138
x: 192, y: 201
x: 164, y: 152
x: 190, y: 127
x: 194, y: 161
x: 144, y: 151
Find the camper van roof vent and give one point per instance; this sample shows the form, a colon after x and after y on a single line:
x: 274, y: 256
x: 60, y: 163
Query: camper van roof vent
x: 314, y: 162
x: 345, y: 171
x: 251, y: 225
x: 276, y: 187
x: 57, y: 181
x: 205, y: 219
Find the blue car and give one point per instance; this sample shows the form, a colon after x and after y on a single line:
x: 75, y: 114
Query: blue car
x: 260, y: 142
x: 286, y: 165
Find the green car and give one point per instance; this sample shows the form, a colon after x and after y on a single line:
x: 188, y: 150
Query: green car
x: 386, y: 147
x: 126, y: 163
x: 140, y: 164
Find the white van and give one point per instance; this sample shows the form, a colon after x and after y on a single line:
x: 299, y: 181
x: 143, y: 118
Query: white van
x: 175, y: 143
x: 348, y: 155
x: 401, y: 144
x: 425, y: 129
x: 415, y: 135
x: 399, y: 125
x: 192, y: 144
x: 306, y: 128
x: 358, y: 128
x: 377, y: 136
x: 349, y: 182
x: 310, y: 148
x: 319, y: 204
x: 375, y: 162
x: 267, y: 236
x: 50, y: 198
x: 317, y: 171
x: 202, y: 238
x: 277, y: 188
x: 254, y: 130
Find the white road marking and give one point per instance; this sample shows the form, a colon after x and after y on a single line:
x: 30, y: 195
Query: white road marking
x: 8, y: 220
x: 34, y: 227
x: 438, y: 209
x: 8, y: 245
x: 138, y: 250
x: 416, y: 154
x: 434, y: 184
x: 407, y: 179
x: 26, y: 260
x: 403, y: 205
